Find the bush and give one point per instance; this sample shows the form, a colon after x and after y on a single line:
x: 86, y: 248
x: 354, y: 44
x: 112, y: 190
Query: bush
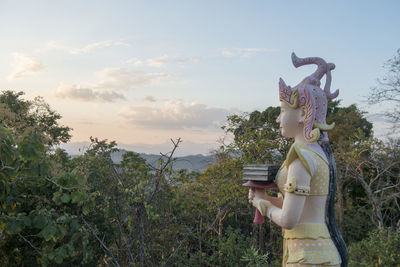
x: 380, y: 248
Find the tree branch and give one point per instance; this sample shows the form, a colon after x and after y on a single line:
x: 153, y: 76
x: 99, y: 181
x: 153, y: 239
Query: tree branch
x: 29, y: 242
x: 101, y: 242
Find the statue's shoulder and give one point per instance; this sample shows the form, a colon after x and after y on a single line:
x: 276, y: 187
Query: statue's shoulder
x: 305, y: 154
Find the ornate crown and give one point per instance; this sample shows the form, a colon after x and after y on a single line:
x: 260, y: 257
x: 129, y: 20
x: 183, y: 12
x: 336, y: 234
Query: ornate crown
x: 308, y: 93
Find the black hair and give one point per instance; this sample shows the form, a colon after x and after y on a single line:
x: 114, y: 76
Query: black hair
x: 330, y: 206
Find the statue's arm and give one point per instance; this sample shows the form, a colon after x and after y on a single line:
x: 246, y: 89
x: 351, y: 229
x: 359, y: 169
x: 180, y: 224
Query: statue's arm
x: 276, y: 201
x: 289, y: 215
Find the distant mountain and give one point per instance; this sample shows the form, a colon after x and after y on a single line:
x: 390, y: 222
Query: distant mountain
x: 185, y: 148
x: 197, y: 163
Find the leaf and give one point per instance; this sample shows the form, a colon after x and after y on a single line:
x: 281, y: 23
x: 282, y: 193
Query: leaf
x: 65, y: 198
x: 62, y: 252
x: 85, y: 210
x: 74, y: 225
x: 77, y: 196
x: 61, y: 232
x: 43, y: 168
x: 39, y: 221
x: 13, y: 227
x: 71, y: 249
x: 81, y: 179
x: 51, y: 255
x: 59, y: 259
x: 27, y: 221
x: 48, y: 232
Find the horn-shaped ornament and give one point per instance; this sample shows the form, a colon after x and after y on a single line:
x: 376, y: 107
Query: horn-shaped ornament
x: 287, y: 95
x: 309, y: 94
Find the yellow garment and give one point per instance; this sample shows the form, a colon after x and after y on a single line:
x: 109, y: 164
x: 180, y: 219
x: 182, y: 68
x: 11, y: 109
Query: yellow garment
x: 310, y: 244
x: 307, y: 244
x: 314, y: 163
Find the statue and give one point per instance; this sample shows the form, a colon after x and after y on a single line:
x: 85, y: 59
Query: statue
x: 307, y: 178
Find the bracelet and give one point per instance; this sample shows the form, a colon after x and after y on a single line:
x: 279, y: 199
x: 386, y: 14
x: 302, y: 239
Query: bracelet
x: 263, y: 205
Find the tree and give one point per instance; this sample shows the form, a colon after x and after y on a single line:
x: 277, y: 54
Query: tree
x: 21, y: 115
x: 257, y: 138
x: 388, y: 89
x: 41, y: 193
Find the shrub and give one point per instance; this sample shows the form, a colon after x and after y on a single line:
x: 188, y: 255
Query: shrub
x: 380, y: 248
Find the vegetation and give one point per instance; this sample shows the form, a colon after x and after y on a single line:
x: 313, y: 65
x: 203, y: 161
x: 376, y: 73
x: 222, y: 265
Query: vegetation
x: 89, y: 211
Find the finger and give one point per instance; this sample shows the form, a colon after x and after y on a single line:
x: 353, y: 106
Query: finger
x: 250, y: 196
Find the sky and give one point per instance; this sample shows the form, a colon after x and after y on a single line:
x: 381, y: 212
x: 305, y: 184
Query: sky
x: 143, y: 72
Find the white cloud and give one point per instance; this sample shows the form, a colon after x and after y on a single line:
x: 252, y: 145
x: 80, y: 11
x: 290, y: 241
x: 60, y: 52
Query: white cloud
x: 243, y: 52
x: 126, y: 79
x: 157, y: 62
x: 109, y: 83
x: 135, y: 62
x: 24, y: 65
x: 175, y: 115
x: 149, y: 98
x: 186, y: 60
x: 161, y: 61
x: 53, y: 45
x: 79, y: 93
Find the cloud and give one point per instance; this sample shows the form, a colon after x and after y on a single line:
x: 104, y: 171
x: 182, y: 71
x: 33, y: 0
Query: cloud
x: 186, y: 60
x: 24, y: 65
x: 53, y: 45
x: 135, y: 62
x: 126, y: 79
x: 157, y: 62
x: 161, y: 61
x: 243, y: 52
x: 378, y: 117
x: 109, y: 83
x: 175, y: 115
x: 149, y: 98
x: 79, y: 93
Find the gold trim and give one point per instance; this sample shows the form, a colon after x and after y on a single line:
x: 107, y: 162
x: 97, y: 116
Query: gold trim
x: 315, y: 135
x: 325, y: 126
x: 294, y: 97
x: 307, y: 230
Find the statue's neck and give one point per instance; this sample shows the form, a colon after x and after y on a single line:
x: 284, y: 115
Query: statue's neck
x: 300, y: 137
x: 314, y: 146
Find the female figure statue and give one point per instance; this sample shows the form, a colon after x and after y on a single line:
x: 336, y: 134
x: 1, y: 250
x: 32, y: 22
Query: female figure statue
x: 307, y: 178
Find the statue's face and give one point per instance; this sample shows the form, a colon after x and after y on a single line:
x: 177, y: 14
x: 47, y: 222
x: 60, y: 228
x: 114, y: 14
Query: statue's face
x: 290, y: 120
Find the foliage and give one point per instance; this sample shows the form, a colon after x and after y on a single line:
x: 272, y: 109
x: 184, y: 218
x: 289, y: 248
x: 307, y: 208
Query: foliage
x: 91, y: 211
x: 19, y: 116
x: 350, y: 125
x: 38, y: 222
x: 256, y: 136
x: 253, y: 258
x: 380, y: 248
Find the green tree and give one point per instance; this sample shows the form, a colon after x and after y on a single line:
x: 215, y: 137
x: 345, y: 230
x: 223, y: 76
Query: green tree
x: 380, y: 248
x: 39, y: 221
x: 21, y: 115
x: 256, y: 136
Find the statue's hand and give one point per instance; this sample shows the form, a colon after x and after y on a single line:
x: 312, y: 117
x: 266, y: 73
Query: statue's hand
x: 276, y: 201
x: 255, y: 195
x: 258, y: 198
